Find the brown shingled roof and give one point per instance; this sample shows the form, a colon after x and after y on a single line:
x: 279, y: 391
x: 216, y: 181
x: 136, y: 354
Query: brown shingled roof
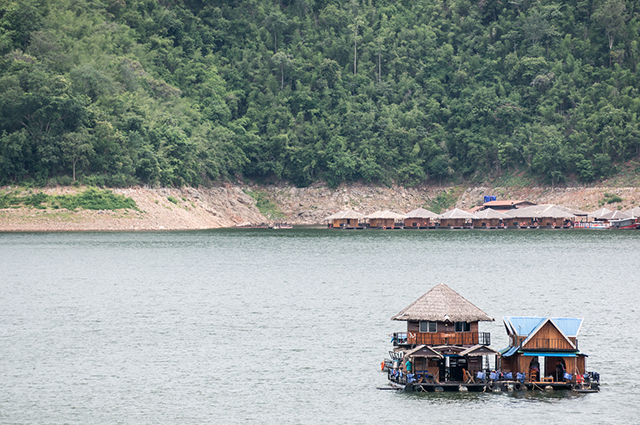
x: 442, y: 304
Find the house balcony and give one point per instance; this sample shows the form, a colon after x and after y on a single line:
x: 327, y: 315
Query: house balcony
x: 441, y: 338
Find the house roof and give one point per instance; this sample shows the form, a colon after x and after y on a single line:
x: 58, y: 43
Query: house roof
x: 504, y: 203
x: 525, y: 326
x: 615, y: 215
x: 423, y: 351
x: 421, y: 213
x: 385, y: 214
x: 442, y: 304
x: 345, y: 214
x: 489, y: 213
x: 478, y: 350
x: 635, y: 212
x: 599, y: 213
x: 455, y: 213
x: 540, y: 211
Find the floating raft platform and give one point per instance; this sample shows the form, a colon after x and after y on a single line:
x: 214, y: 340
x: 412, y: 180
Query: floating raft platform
x: 497, y: 386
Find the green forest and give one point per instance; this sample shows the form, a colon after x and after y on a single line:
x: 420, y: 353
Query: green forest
x: 189, y: 92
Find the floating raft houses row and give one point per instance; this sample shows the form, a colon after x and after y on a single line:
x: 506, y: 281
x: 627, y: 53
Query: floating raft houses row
x: 443, y: 350
x: 491, y: 215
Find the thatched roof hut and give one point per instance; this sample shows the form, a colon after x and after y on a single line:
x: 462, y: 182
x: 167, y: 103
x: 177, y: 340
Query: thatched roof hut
x: 545, y: 215
x: 442, y: 304
x: 347, y: 218
x: 599, y: 213
x: 488, y: 218
x: 635, y: 212
x: 419, y: 218
x: 384, y: 219
x: 615, y: 215
x: 421, y: 213
x: 455, y: 218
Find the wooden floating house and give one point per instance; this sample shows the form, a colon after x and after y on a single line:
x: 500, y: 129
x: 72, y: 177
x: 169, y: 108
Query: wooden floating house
x: 385, y: 220
x: 455, y: 219
x: 489, y: 219
x: 420, y: 219
x: 345, y: 219
x: 443, y: 350
x: 548, y: 216
x: 544, y: 352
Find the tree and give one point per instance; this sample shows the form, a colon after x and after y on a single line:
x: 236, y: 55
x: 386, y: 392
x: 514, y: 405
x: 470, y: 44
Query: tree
x: 611, y: 15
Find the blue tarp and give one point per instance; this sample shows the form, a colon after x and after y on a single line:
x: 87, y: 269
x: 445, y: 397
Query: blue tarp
x: 547, y: 354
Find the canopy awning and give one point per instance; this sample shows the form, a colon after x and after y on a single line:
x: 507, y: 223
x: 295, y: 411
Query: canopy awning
x: 509, y: 351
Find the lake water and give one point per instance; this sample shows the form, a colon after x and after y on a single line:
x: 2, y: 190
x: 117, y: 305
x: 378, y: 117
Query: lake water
x: 290, y: 326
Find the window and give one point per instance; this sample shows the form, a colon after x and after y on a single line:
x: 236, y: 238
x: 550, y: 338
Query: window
x: 463, y: 326
x: 428, y: 326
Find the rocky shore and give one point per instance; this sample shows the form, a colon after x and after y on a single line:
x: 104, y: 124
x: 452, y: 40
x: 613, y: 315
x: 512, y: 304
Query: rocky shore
x: 233, y: 205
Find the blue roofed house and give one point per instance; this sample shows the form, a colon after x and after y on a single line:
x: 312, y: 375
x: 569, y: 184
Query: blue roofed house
x: 543, y: 348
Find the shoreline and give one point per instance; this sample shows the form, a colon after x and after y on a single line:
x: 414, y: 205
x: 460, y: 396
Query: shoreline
x: 229, y: 206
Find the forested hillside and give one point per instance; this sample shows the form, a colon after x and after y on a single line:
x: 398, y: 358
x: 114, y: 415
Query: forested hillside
x: 120, y: 92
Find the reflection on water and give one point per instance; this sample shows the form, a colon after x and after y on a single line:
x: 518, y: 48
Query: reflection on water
x: 290, y: 326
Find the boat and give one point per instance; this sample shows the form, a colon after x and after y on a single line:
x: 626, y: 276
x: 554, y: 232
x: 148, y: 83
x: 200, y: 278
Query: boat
x: 443, y: 350
x: 281, y: 226
x: 624, y: 223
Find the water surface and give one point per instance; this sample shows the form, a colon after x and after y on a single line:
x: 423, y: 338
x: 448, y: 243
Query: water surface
x: 289, y: 326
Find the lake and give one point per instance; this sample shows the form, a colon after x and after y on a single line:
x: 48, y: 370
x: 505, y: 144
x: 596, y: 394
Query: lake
x: 267, y: 326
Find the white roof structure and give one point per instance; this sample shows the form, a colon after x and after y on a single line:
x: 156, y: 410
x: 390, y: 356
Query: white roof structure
x: 386, y: 214
x: 345, y: 214
x: 455, y: 214
x: 421, y: 213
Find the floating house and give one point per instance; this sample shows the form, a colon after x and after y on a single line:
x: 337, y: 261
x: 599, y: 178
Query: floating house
x: 443, y: 350
x: 546, y: 215
x: 420, y: 218
x: 385, y: 220
x: 545, y: 351
x: 455, y: 219
x: 345, y: 219
x: 488, y: 219
x: 443, y: 347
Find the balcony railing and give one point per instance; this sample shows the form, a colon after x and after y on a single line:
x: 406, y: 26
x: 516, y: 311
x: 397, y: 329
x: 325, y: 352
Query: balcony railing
x: 440, y: 338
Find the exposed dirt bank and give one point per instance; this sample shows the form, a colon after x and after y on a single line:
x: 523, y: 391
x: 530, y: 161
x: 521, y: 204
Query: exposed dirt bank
x: 193, y: 209
x: 229, y: 205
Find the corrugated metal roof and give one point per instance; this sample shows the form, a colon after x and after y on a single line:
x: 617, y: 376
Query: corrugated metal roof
x: 570, y: 326
x: 524, y: 326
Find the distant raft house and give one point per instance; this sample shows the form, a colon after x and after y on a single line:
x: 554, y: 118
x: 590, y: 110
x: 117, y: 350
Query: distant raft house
x: 491, y: 215
x: 489, y: 219
x: 456, y: 219
x: 385, y: 220
x: 420, y: 219
x: 345, y: 219
x: 547, y: 216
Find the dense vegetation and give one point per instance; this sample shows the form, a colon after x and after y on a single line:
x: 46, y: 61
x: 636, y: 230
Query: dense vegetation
x: 175, y: 92
x: 90, y: 199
